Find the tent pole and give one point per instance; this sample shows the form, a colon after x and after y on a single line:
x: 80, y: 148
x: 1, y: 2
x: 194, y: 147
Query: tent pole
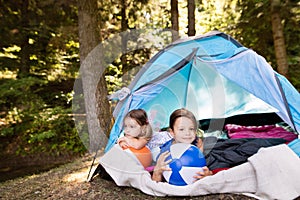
x: 91, y: 167
x: 97, y: 169
x: 285, y: 102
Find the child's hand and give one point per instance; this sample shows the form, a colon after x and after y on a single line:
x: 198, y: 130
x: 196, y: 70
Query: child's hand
x: 123, y: 143
x: 161, y: 166
x: 162, y: 163
x: 204, y: 173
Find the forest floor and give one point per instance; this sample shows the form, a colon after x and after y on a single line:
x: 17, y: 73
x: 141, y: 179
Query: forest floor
x: 69, y: 181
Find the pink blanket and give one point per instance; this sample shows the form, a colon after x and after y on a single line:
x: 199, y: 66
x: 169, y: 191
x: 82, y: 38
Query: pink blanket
x: 266, y: 131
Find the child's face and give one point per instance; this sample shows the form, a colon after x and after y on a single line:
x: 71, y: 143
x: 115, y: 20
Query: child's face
x: 131, y: 127
x: 184, y: 130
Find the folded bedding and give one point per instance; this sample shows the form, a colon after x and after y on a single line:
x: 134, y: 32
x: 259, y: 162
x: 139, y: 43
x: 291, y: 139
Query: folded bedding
x: 265, y: 131
x: 232, y: 152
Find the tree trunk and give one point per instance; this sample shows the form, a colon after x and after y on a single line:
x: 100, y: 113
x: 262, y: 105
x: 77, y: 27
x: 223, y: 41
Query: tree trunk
x: 191, y: 18
x: 24, y: 69
x: 97, y: 107
x: 278, y: 37
x: 124, y: 26
x: 174, y: 19
x: 88, y: 30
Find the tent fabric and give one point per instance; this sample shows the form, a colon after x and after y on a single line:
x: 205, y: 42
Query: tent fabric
x: 212, y: 75
x: 272, y: 173
x: 261, y: 82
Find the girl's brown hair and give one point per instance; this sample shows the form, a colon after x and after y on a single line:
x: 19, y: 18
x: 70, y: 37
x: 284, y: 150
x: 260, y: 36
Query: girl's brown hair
x: 182, y: 112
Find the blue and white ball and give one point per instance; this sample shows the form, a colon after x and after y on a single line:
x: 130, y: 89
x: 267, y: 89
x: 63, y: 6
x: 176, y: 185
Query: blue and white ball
x: 187, y: 160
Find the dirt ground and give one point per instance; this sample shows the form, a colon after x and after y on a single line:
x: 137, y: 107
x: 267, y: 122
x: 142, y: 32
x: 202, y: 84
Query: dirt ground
x: 69, y: 181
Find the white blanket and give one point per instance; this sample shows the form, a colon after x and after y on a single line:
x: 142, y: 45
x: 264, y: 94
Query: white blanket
x: 272, y: 173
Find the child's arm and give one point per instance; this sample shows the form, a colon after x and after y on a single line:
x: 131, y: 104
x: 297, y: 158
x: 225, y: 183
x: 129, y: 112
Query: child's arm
x: 200, y: 144
x: 136, y: 143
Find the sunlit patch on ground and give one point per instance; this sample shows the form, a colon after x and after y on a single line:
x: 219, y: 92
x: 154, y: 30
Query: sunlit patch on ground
x: 77, y: 177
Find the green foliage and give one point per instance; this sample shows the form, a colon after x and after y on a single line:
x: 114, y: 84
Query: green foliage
x: 218, y: 15
x: 52, y: 130
x: 37, y: 126
x: 19, y: 92
x: 41, y: 36
x: 6, y: 131
x: 48, y: 130
x: 40, y: 32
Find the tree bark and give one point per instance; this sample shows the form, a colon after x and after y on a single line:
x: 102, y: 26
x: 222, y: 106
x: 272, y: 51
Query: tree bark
x: 88, y: 30
x: 24, y: 69
x: 124, y: 27
x: 278, y: 37
x: 191, y: 18
x: 92, y: 70
x: 174, y: 19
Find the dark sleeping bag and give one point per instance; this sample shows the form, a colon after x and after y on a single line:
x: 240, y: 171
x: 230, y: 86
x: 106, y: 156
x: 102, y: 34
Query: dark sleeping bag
x: 226, y: 153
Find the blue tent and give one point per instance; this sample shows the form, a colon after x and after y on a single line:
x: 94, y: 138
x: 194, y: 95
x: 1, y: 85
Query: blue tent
x: 212, y: 75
